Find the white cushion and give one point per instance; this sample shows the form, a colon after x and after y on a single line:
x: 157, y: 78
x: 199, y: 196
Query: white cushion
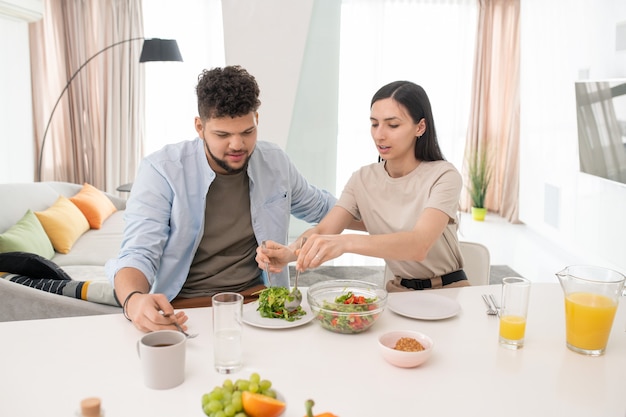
x: 96, y: 246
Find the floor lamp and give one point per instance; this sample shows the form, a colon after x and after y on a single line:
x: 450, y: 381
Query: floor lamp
x: 153, y: 50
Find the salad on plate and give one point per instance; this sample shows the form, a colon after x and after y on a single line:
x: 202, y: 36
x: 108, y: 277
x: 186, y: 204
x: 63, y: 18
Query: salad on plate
x: 272, y: 304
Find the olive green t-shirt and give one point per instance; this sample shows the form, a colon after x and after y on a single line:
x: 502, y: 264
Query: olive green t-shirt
x: 225, y: 259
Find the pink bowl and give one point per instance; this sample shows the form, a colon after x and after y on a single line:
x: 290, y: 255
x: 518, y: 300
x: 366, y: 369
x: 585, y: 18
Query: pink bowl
x: 400, y: 358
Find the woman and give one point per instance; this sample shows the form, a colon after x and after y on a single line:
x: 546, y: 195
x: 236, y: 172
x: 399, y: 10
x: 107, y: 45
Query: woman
x: 407, y: 203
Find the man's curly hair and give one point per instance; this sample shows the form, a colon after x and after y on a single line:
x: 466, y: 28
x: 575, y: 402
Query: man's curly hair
x: 229, y: 91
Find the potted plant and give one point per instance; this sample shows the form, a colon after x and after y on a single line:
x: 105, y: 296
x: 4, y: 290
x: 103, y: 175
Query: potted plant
x: 479, y: 172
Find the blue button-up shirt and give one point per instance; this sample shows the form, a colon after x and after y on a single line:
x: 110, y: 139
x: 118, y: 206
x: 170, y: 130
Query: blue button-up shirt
x: 165, y: 211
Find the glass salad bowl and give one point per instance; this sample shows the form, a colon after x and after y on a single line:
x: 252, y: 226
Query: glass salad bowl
x: 346, y: 306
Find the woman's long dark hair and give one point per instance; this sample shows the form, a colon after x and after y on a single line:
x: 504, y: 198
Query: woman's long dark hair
x: 414, y: 99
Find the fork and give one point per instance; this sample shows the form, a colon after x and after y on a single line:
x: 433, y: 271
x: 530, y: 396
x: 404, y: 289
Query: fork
x: 490, y: 310
x: 180, y: 329
x: 495, y: 304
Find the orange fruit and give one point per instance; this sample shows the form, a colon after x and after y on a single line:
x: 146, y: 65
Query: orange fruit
x: 259, y: 405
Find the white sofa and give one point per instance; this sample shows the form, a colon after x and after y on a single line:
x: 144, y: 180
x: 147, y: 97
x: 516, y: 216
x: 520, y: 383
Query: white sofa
x: 85, y: 261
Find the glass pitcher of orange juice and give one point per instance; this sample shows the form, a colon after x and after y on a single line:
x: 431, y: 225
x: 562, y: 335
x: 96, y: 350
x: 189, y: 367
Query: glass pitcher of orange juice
x: 591, y: 297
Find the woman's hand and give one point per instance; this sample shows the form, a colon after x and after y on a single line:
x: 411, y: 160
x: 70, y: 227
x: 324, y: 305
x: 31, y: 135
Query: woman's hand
x: 274, y: 255
x: 319, y: 249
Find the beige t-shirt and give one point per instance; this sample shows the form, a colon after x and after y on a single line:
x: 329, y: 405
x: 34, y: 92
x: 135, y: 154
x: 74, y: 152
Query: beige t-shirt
x: 389, y: 205
x: 225, y: 259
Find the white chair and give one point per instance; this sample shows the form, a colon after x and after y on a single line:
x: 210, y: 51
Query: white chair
x: 476, y: 263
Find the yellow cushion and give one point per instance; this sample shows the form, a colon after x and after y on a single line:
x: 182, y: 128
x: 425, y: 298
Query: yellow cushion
x: 94, y: 204
x: 64, y: 223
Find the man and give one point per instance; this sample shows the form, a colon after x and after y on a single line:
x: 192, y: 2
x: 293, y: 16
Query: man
x: 199, y: 209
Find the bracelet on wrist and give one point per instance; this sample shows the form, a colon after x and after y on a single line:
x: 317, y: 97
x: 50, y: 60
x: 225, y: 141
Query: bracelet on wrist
x: 126, y: 303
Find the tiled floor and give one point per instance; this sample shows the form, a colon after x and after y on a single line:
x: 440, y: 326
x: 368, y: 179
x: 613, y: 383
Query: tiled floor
x: 530, y: 254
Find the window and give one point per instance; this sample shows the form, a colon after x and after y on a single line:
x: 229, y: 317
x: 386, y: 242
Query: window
x: 429, y: 42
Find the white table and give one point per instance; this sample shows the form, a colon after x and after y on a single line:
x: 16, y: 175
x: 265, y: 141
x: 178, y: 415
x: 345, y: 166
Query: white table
x: 48, y: 366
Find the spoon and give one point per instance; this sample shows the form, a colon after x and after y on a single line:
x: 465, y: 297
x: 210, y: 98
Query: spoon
x: 294, y: 299
x: 180, y: 329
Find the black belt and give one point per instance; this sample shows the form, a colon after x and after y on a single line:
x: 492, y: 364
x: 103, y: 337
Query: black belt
x: 422, y: 284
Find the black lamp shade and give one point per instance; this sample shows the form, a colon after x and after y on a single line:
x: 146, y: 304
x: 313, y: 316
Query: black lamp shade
x: 160, y: 50
x: 153, y: 50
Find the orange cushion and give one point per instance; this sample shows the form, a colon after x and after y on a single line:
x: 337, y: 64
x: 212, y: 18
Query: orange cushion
x: 94, y: 204
x: 64, y: 223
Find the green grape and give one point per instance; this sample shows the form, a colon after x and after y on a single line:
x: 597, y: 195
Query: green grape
x: 255, y: 377
x: 264, y: 385
x: 217, y: 393
x: 225, y: 400
x: 237, y: 403
x: 229, y: 410
x: 270, y: 393
x: 242, y: 385
x: 214, y: 406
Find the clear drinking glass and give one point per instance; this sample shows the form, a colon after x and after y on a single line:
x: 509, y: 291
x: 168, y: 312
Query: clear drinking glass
x: 227, y: 329
x: 513, y: 312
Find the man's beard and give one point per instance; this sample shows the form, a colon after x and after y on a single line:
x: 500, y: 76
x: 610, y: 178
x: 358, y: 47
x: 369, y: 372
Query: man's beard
x: 224, y: 165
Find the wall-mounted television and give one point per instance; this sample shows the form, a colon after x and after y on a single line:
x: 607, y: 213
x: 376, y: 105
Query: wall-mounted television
x: 601, y: 115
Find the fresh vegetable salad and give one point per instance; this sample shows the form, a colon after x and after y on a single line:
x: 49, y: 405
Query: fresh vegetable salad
x: 272, y: 304
x: 349, y: 313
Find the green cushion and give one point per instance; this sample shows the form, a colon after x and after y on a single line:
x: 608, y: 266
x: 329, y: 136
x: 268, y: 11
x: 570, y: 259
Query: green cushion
x: 27, y: 235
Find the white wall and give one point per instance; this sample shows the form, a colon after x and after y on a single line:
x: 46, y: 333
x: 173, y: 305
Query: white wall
x: 296, y: 63
x: 171, y: 104
x: 314, y: 127
x: 564, y: 41
x: 16, y: 120
x: 271, y: 48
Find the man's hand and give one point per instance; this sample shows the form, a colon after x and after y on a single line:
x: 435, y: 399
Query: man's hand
x: 274, y: 255
x: 147, y: 312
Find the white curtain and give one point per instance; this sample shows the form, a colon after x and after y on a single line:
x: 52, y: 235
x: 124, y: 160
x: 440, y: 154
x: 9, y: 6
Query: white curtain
x: 494, y: 112
x: 96, y: 133
x: 429, y: 42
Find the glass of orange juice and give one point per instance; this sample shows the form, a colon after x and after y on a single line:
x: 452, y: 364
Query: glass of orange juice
x: 591, y: 297
x: 515, y: 294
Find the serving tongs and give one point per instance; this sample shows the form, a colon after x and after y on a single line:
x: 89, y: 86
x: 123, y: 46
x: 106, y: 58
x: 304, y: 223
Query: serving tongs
x: 267, y: 266
x: 294, y: 299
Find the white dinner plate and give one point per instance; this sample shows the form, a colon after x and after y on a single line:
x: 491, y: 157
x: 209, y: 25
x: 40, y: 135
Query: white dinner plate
x: 252, y: 317
x: 423, y: 305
